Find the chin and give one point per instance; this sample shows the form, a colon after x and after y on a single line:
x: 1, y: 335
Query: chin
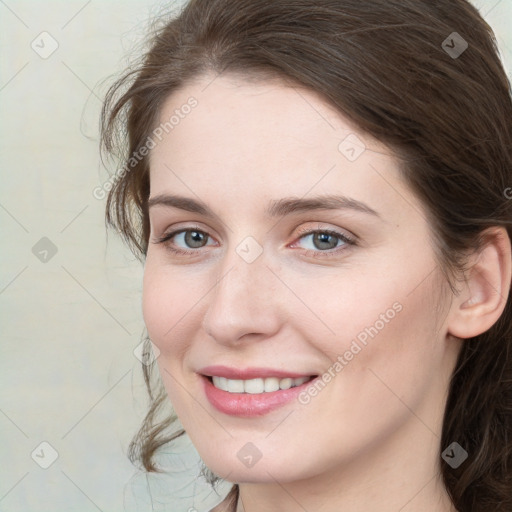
x: 262, y: 471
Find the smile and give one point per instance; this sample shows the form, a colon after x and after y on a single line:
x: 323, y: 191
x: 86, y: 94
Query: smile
x: 253, y: 397
x: 255, y: 386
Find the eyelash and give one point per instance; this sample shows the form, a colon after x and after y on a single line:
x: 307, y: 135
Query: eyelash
x: 346, y: 239
x: 181, y: 252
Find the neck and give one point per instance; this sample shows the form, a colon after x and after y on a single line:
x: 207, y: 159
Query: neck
x: 404, y: 475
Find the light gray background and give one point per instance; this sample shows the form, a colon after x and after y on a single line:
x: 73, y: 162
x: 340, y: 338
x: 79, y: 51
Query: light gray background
x: 69, y: 325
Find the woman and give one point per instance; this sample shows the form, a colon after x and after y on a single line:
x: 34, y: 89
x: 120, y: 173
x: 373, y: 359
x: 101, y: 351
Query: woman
x: 318, y: 190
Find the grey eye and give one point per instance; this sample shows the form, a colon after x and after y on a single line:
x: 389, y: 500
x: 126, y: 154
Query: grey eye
x: 194, y: 239
x: 321, y: 241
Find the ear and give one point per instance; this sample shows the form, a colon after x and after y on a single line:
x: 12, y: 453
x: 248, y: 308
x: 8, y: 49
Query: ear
x: 486, y: 287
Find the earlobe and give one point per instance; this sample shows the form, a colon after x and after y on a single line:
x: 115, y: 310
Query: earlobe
x: 486, y: 287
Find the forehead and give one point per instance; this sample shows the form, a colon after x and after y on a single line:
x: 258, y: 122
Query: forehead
x: 259, y: 139
x: 252, y: 113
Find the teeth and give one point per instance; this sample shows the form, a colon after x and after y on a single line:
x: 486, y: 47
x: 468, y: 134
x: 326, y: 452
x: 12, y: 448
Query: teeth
x: 255, y: 386
x: 233, y: 386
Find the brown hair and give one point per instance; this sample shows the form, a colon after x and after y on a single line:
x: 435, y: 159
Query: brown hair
x: 395, y: 68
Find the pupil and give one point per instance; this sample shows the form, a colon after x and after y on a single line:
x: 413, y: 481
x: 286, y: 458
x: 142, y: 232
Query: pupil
x: 324, y: 241
x: 195, y: 239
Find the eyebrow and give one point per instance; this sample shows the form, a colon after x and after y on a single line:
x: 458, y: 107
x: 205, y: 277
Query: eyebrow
x: 276, y: 208
x: 286, y: 206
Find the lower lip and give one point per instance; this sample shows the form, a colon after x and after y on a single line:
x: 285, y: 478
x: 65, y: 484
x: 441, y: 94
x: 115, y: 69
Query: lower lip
x: 248, y: 404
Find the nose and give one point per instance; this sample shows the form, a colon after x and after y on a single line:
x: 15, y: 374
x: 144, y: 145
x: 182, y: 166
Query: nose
x: 243, y: 304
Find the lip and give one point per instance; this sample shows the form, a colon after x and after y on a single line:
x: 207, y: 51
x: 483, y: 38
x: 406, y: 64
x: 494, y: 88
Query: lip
x: 249, y: 405
x: 248, y: 373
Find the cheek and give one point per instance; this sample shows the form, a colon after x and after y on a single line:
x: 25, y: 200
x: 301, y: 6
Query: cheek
x: 386, y: 302
x: 390, y: 353
x: 376, y: 326
x: 171, y: 302
x: 155, y: 296
x: 386, y: 370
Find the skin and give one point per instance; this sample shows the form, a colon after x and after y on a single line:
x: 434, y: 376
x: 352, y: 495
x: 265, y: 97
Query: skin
x: 370, y: 440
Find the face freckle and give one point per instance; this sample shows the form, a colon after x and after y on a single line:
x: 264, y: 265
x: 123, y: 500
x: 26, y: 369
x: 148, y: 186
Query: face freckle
x: 253, y: 173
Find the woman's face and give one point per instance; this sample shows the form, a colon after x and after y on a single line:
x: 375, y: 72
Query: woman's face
x: 298, y: 251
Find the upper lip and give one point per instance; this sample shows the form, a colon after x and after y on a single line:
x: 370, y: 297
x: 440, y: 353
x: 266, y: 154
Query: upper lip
x: 249, y: 373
